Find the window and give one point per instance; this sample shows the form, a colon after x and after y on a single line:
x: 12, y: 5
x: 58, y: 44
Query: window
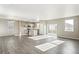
x: 52, y: 28
x: 69, y: 25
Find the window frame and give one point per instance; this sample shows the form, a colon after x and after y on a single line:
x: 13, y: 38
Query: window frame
x: 72, y: 30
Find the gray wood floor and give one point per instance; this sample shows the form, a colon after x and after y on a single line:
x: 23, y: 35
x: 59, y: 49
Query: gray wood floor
x: 23, y: 45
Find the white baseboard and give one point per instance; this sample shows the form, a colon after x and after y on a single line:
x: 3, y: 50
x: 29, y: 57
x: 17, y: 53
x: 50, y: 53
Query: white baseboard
x: 69, y: 37
x: 5, y: 35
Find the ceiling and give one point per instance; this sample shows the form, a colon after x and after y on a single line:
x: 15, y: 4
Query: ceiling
x: 38, y: 11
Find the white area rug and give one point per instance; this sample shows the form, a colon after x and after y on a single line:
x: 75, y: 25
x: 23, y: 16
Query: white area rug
x: 57, y: 42
x: 46, y: 46
x: 43, y: 37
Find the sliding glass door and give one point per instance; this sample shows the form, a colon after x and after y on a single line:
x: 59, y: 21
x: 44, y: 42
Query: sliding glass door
x: 48, y: 28
x: 52, y: 28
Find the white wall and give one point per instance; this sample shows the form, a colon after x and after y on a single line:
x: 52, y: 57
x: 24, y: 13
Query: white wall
x: 5, y: 29
x: 11, y: 27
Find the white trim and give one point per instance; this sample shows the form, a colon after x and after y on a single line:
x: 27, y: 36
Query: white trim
x: 6, y: 35
x: 69, y: 37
